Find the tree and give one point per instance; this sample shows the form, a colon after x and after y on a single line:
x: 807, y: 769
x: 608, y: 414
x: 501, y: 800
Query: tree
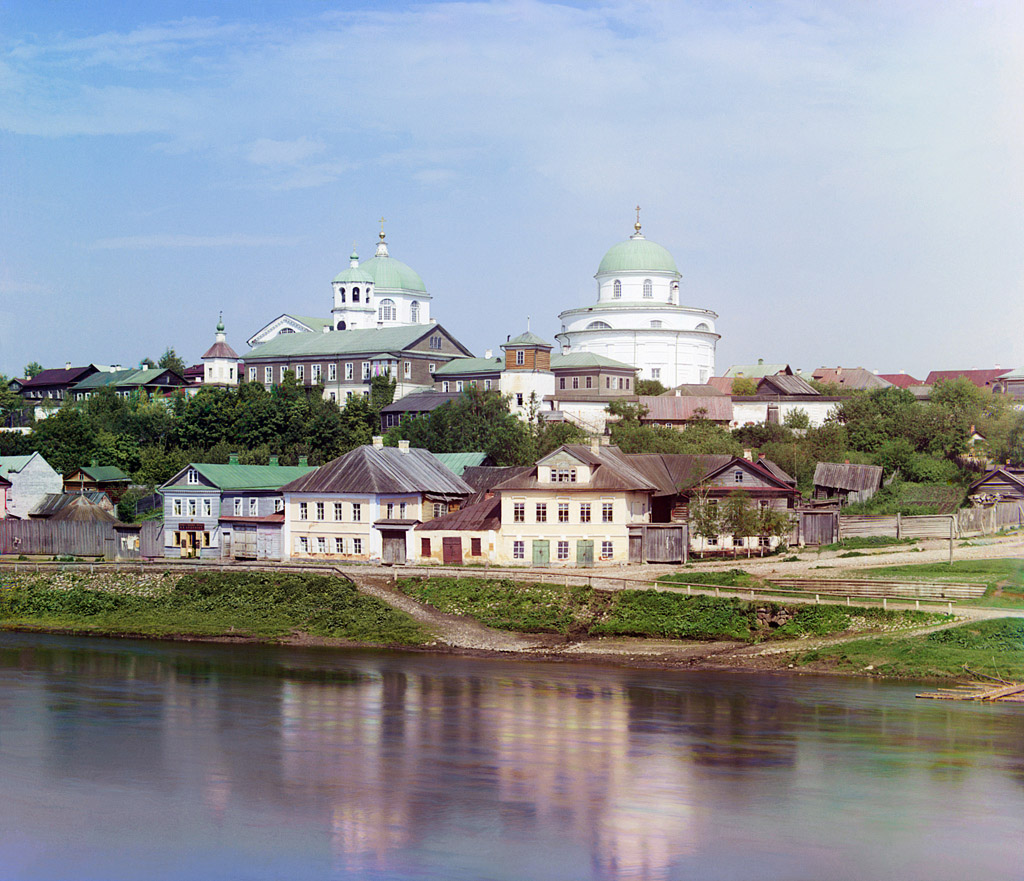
x: 650, y: 387
x: 744, y: 385
x: 9, y: 400
x: 797, y: 418
x: 772, y: 524
x: 33, y: 368
x: 148, y: 363
x: 704, y: 515
x: 169, y: 360
x: 740, y: 517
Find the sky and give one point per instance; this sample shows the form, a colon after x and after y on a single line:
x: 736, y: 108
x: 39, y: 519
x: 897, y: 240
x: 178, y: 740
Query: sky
x: 840, y: 181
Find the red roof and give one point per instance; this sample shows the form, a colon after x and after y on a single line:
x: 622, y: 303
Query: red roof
x: 220, y: 350
x: 900, y: 380
x: 980, y: 378
x: 722, y: 383
x: 58, y: 376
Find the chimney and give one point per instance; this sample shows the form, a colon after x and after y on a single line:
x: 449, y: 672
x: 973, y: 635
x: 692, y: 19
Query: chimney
x: 489, y: 353
x: 67, y: 365
x: 403, y: 446
x: 604, y: 440
x: 748, y: 455
x: 327, y: 328
x: 232, y: 458
x: 303, y: 461
x: 274, y: 460
x: 378, y: 442
x: 595, y: 446
x: 846, y: 461
x: 760, y: 360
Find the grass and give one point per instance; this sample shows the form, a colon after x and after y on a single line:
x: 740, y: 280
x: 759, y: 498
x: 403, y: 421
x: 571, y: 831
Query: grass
x: 584, y: 611
x: 262, y: 605
x: 993, y: 647
x: 727, y: 578
x: 911, y: 499
x: 1003, y: 578
x: 860, y: 542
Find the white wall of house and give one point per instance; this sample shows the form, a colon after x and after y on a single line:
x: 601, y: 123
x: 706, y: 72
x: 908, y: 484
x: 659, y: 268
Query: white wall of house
x: 28, y: 486
x: 756, y: 412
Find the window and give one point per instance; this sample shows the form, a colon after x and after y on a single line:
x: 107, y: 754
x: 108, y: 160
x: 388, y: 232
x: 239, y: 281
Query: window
x: 430, y: 368
x: 542, y: 512
x: 590, y: 382
x: 519, y: 512
x: 596, y: 325
x: 320, y: 511
x: 584, y: 512
x: 176, y: 540
x: 366, y: 370
x: 238, y: 507
x: 303, y: 544
x: 341, y: 295
x: 424, y: 547
x: 339, y: 546
x: 739, y: 477
x: 386, y: 311
x: 435, y: 342
x: 519, y: 399
x: 355, y: 295
x: 627, y: 379
x: 253, y: 507
x: 575, y: 382
x: 268, y: 374
x: 191, y: 507
x: 315, y: 373
x: 648, y: 289
x: 655, y: 324
x: 519, y: 550
x: 252, y: 374
x: 206, y: 539
x: 440, y: 509
x: 764, y: 541
x: 333, y: 396
x: 414, y: 312
x: 617, y: 289
x: 303, y: 511
x: 176, y: 507
x: 458, y: 385
x: 655, y: 373
x: 712, y: 539
x: 357, y: 546
x: 407, y: 372
x: 520, y: 357
x: 561, y: 382
x: 562, y: 550
x: 339, y: 511
x: 445, y: 386
x: 321, y: 545
x: 332, y: 372
x: 764, y: 504
x: 563, y: 512
x: 390, y: 510
x: 607, y: 382
x: 475, y: 549
x: 606, y: 550
x: 300, y: 372
x: 349, y: 370
x: 606, y: 512
x: 278, y: 505
x: 401, y: 511
x: 563, y: 474
x: 487, y: 385
x: 357, y: 512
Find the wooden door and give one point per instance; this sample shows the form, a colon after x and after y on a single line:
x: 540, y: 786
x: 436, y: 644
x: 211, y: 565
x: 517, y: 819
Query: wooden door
x: 392, y: 547
x: 451, y: 550
x: 585, y: 553
x: 636, y: 546
x: 541, y: 553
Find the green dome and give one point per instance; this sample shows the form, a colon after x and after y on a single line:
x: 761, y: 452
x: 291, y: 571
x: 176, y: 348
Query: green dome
x: 354, y: 275
x: 637, y: 254
x: 388, y: 272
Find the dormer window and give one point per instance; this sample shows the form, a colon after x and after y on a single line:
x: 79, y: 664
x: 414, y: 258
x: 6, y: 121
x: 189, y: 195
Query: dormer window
x: 193, y: 476
x: 520, y: 357
x: 616, y: 289
x: 648, y: 289
x: 563, y: 474
x: 739, y: 477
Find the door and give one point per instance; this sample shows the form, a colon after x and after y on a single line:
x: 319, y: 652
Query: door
x: 392, y: 547
x: 636, y: 546
x: 585, y: 553
x: 541, y: 553
x: 451, y: 548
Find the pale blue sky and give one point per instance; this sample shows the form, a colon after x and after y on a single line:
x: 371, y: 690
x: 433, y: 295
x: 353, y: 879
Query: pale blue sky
x: 841, y: 182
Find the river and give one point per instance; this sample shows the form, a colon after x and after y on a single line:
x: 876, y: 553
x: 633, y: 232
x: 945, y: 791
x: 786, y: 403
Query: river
x: 130, y: 760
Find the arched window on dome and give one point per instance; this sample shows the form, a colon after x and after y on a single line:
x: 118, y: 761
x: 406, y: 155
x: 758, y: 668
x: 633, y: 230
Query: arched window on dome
x: 648, y: 289
x: 598, y: 325
x: 355, y: 295
x: 703, y: 326
x: 655, y: 323
x: 341, y: 295
x: 341, y: 325
x: 414, y: 312
x: 617, y: 289
x: 386, y: 312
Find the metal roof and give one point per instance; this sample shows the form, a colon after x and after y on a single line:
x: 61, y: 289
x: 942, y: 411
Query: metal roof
x: 850, y: 377
x: 350, y: 342
x: 103, y: 473
x: 785, y: 385
x: 376, y: 470
x: 484, y: 478
x: 420, y: 402
x: 56, y: 376
x: 611, y: 470
x: 527, y: 339
x: 980, y: 378
x: 670, y: 408
x: 81, y: 509
x: 53, y: 502
x: 845, y: 476
x: 220, y: 350
x: 582, y: 360
x: 901, y: 380
x: 484, y: 516
x: 457, y: 463
x: 238, y: 477
x: 464, y: 366
x: 756, y: 371
x: 14, y: 464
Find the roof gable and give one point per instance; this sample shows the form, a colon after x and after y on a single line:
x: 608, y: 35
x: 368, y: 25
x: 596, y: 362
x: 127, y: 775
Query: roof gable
x: 378, y: 470
x: 367, y: 341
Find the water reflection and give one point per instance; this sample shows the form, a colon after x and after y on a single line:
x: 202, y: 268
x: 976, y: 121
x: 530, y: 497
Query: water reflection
x: 302, y: 763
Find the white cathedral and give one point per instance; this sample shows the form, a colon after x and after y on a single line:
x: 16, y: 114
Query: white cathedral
x: 639, y: 319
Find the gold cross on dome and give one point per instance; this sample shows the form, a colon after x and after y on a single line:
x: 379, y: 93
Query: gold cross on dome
x: 636, y: 226
x: 382, y: 229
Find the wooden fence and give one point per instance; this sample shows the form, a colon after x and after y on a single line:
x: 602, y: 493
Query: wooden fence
x: 865, y: 587
x: 72, y: 539
x: 992, y: 518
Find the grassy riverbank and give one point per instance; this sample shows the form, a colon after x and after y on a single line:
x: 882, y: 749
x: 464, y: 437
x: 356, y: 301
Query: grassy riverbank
x: 261, y: 605
x: 583, y: 611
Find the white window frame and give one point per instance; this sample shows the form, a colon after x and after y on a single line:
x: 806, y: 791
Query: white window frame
x: 519, y: 550
x: 207, y: 507
x: 339, y: 511
x: 357, y: 512
x: 357, y: 546
x: 176, y: 507
x: 349, y: 371
x: 252, y: 374
x: 268, y: 375
x: 303, y: 510
x: 316, y: 371
x: 254, y: 507
x: 332, y: 372
x: 238, y: 506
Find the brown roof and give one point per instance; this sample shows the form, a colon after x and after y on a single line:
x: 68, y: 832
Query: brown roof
x: 845, y: 476
x: 665, y: 408
x: 483, y: 478
x: 775, y: 471
x: 1003, y: 473
x: 784, y: 385
x: 82, y: 509
x: 58, y: 376
x: 483, y: 516
x: 220, y: 350
x: 849, y: 377
x: 382, y: 470
x: 900, y: 380
x: 722, y: 383
x: 696, y: 389
x: 980, y: 378
x: 611, y: 471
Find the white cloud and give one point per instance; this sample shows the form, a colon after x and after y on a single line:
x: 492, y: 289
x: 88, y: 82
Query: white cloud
x: 266, y: 151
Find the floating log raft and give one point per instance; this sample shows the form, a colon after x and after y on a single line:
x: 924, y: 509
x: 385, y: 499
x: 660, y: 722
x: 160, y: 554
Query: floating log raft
x: 1009, y: 692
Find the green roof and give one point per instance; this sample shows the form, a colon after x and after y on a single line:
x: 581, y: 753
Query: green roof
x: 341, y: 342
x: 637, y: 254
x: 390, y: 273
x: 104, y: 472
x: 99, y: 380
x: 463, y: 366
x: 355, y: 275
x: 527, y: 339
x: 586, y: 359
x: 459, y: 462
x: 229, y: 477
x: 13, y: 463
x: 310, y: 321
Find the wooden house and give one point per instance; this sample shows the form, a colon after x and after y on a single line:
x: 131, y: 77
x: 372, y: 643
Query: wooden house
x: 364, y: 505
x: 107, y: 479
x: 1003, y: 484
x: 31, y: 478
x: 415, y: 404
x: 850, y: 378
x: 678, y: 410
x: 1011, y: 383
x: 846, y: 483
x: 54, y: 384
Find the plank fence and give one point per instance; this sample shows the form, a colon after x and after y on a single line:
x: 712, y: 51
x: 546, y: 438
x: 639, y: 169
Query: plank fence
x: 81, y: 539
x: 867, y: 587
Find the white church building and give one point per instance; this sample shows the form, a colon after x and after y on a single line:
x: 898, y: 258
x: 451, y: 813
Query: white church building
x: 639, y: 318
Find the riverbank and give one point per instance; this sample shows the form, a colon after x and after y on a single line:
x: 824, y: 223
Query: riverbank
x: 544, y: 622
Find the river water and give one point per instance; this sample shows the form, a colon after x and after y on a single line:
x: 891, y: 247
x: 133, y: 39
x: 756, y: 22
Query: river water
x: 148, y: 760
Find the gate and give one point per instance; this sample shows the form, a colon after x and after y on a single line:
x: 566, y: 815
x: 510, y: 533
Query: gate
x: 818, y: 527
x: 541, y: 553
x: 393, y: 547
x: 585, y: 553
x: 244, y: 542
x: 451, y: 550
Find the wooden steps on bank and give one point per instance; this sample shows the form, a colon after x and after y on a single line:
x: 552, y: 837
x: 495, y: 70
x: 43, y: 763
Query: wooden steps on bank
x: 878, y: 587
x: 978, y: 692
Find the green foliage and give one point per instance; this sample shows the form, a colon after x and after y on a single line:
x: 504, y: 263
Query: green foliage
x: 650, y: 387
x: 170, y: 360
x: 655, y: 613
x: 797, y: 418
x: 1007, y: 573
x: 910, y: 498
x: 744, y: 386
x: 697, y: 437
x: 724, y: 578
x: 866, y: 541
x: 33, y: 368
x: 268, y: 605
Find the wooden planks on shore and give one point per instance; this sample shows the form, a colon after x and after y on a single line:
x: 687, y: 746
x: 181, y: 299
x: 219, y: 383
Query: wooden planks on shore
x: 1009, y: 692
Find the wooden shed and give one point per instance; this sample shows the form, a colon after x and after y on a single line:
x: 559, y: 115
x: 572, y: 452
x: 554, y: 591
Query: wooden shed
x: 845, y: 482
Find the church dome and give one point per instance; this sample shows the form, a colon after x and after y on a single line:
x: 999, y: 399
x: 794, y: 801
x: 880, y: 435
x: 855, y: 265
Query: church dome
x: 639, y: 255
x: 387, y: 272
x: 354, y: 275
